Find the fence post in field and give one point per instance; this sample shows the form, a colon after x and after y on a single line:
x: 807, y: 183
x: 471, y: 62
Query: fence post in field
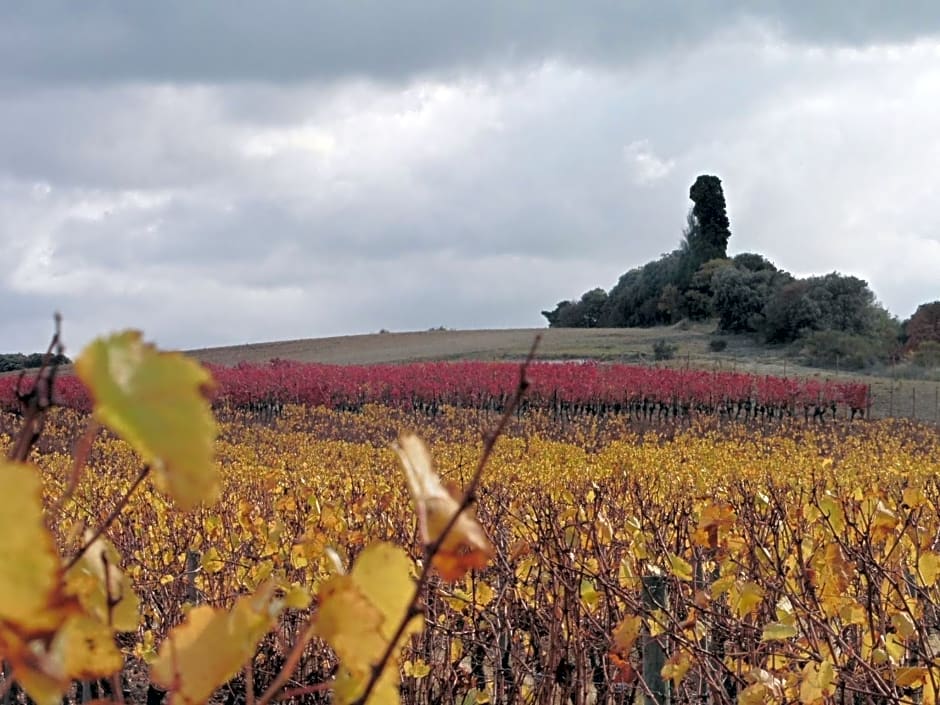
x: 192, y: 567
x: 654, y: 652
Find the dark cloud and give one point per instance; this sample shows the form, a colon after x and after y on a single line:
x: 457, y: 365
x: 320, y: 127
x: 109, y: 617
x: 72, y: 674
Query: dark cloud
x: 283, y: 40
x: 224, y: 177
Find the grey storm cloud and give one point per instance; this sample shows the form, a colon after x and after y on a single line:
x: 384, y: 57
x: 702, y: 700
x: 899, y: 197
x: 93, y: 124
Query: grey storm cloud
x: 286, y: 40
x: 229, y: 172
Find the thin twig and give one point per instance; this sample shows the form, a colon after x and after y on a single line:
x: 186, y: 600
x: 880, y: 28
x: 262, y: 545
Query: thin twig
x: 306, y: 690
x: 112, y: 601
x: 37, y: 400
x: 432, y: 549
x: 290, y: 665
x: 250, y: 682
x: 144, y: 471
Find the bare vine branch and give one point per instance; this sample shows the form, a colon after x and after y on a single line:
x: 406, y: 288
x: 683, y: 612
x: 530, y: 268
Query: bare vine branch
x: 468, y: 498
x: 36, y: 401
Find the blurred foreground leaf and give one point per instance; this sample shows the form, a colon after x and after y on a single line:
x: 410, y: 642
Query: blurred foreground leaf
x: 212, y: 646
x: 155, y: 401
x: 466, y: 546
x: 359, y: 614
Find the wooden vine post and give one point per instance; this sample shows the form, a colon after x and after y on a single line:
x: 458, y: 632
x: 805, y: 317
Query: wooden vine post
x: 654, y: 647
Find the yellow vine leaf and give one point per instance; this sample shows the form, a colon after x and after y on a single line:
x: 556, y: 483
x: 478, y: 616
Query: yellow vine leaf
x: 928, y: 565
x: 32, y: 600
x: 895, y: 647
x: 817, y: 682
x: 98, y: 577
x: 913, y: 497
x: 626, y: 634
x: 297, y: 597
x: 721, y: 586
x: 747, y: 599
x: 456, y: 651
x: 754, y: 694
x: 84, y: 649
x: 350, y: 623
x: 883, y: 522
x: 212, y: 646
x: 416, y: 669
x: 44, y: 634
x: 681, y: 568
x: 155, y: 401
x: 589, y: 594
x: 677, y: 666
x: 466, y: 546
x: 778, y: 632
x: 483, y: 594
x: 853, y: 613
x: 211, y: 561
x: 716, y: 519
x: 358, y: 615
x: 932, y: 677
x: 832, y: 510
x: 658, y: 622
x: 903, y: 624
x: 911, y: 677
x: 35, y: 672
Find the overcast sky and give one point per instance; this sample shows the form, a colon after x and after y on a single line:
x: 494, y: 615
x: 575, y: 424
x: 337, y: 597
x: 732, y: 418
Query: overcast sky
x: 225, y: 172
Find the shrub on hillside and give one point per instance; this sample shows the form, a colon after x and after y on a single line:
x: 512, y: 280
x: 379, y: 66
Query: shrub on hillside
x: 927, y: 354
x: 664, y: 350
x: 923, y: 326
x: 830, y: 348
x: 717, y: 344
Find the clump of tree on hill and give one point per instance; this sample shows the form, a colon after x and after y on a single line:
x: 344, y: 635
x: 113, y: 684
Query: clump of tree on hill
x: 833, y: 319
x: 11, y: 362
x: 921, y: 335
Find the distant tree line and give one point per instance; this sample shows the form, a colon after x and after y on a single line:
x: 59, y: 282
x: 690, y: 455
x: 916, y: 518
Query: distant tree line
x: 11, y: 362
x: 835, y: 318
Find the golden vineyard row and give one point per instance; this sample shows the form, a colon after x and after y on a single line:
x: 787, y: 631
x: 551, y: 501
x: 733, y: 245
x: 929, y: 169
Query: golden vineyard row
x: 799, y: 564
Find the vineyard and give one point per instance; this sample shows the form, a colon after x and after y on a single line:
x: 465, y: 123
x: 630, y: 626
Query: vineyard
x: 565, y: 389
x: 601, y: 561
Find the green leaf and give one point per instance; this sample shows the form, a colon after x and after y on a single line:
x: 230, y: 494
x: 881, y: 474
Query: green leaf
x: 155, y: 401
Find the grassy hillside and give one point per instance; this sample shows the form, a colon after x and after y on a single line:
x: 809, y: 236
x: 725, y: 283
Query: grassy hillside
x: 902, y: 398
